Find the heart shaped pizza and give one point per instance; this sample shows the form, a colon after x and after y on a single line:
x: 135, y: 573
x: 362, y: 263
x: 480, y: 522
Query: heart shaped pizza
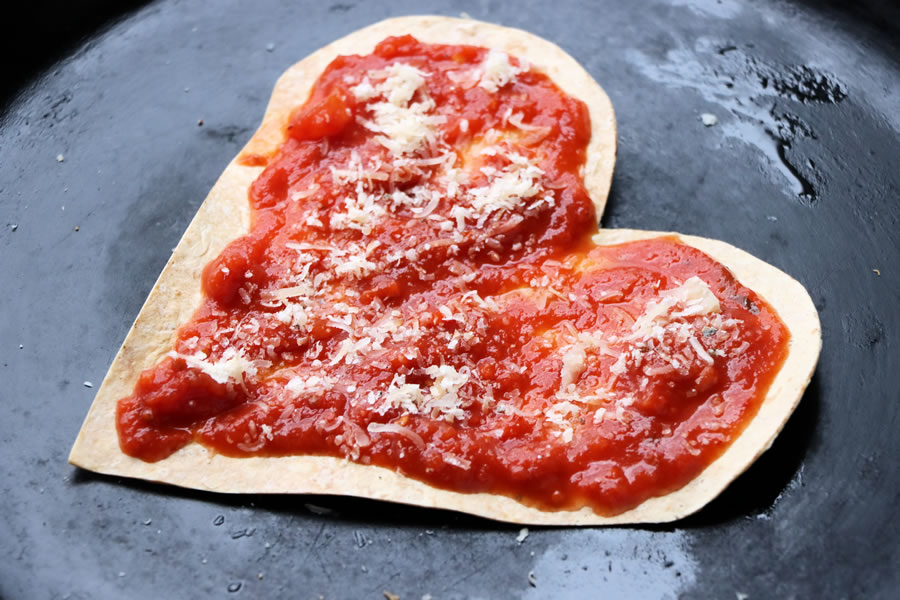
x: 398, y: 290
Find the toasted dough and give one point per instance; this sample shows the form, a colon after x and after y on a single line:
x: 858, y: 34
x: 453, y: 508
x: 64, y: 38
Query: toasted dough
x: 224, y: 216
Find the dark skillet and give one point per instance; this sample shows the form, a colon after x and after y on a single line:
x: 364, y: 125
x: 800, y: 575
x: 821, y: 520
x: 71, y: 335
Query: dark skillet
x: 802, y: 169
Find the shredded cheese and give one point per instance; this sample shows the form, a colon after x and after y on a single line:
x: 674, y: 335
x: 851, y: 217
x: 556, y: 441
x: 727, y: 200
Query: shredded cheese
x: 496, y: 71
x: 293, y: 315
x: 693, y: 296
x: 406, y: 432
x: 404, y: 125
x: 558, y: 415
x: 406, y: 396
x: 445, y: 389
x: 299, y: 385
x: 573, y: 364
x: 232, y: 365
x: 355, y: 265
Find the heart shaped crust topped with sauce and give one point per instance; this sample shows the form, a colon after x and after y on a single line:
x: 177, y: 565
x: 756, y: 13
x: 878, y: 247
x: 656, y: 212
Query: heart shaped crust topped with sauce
x: 398, y: 291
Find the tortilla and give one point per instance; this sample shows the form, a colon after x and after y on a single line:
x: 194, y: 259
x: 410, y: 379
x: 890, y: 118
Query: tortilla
x: 224, y: 216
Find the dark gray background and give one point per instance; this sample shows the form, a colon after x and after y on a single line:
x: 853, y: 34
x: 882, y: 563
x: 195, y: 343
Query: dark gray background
x: 802, y: 170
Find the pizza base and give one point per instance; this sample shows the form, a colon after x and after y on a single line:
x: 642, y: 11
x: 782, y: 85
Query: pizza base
x: 225, y: 215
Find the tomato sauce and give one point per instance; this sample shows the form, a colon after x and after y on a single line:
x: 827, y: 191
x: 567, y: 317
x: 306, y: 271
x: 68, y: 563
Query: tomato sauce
x: 427, y: 299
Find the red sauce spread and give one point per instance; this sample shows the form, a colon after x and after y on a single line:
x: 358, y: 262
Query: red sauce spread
x: 418, y: 290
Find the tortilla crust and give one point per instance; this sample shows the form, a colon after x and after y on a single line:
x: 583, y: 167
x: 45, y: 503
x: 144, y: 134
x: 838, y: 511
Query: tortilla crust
x: 225, y: 215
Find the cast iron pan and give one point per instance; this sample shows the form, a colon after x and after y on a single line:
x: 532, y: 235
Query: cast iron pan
x: 801, y: 170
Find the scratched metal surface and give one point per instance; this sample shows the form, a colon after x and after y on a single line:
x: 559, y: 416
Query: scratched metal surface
x: 800, y: 169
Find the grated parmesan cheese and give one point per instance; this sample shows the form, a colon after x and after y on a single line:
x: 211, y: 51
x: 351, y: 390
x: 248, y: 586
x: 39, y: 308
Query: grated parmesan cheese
x: 298, y: 385
x: 404, y: 126
x: 361, y: 212
x: 293, y: 315
x: 573, y: 364
x: 408, y: 433
x: 407, y: 396
x: 507, y: 189
x: 232, y: 366
x: 496, y: 71
x: 558, y: 415
x: 441, y: 398
x: 355, y: 265
x: 693, y: 296
x: 445, y: 389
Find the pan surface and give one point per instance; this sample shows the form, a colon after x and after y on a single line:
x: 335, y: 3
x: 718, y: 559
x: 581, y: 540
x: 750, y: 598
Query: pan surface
x: 103, y: 163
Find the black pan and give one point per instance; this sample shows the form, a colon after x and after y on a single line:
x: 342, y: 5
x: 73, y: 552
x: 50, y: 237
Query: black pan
x: 103, y: 164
